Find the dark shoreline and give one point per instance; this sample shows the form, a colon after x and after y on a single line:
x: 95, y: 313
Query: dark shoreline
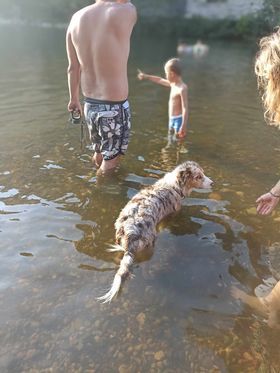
x: 245, y: 28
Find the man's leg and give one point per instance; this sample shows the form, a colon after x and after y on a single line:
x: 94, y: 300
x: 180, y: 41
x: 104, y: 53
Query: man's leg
x: 115, y: 137
x: 110, y: 164
x: 97, y: 159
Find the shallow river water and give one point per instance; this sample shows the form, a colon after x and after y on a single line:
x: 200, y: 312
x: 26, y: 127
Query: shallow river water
x: 56, y: 220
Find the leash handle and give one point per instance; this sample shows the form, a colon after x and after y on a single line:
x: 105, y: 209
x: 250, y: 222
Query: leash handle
x: 75, y: 116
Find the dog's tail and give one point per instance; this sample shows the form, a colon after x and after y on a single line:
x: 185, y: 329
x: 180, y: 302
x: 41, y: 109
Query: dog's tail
x: 122, y: 273
x: 114, y: 248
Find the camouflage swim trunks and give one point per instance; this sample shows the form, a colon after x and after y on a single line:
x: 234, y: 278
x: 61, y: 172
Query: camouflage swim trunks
x: 109, y: 124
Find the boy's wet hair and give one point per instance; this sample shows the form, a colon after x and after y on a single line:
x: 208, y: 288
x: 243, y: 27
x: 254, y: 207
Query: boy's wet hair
x: 174, y: 65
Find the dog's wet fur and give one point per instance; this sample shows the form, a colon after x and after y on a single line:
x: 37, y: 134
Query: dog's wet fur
x: 137, y: 222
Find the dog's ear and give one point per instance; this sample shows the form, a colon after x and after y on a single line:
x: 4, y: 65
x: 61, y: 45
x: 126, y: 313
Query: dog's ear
x: 184, y: 175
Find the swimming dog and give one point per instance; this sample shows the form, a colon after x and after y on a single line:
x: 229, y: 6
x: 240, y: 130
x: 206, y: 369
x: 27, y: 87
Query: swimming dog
x: 137, y: 222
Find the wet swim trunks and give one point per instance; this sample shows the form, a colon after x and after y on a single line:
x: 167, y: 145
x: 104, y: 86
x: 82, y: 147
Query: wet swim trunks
x: 109, y: 124
x: 175, y: 123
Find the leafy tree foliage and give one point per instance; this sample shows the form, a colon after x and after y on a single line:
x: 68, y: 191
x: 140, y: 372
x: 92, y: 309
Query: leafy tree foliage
x: 271, y: 12
x: 155, y: 16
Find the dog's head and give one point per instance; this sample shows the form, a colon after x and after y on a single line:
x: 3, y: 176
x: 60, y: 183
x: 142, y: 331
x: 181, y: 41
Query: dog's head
x: 190, y: 175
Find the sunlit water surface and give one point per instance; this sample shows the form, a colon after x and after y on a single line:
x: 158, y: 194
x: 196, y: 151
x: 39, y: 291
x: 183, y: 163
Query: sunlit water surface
x: 56, y: 220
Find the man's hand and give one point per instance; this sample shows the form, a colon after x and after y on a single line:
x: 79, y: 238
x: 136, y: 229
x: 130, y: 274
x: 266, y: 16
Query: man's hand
x: 141, y: 75
x: 75, y: 106
x: 266, y: 204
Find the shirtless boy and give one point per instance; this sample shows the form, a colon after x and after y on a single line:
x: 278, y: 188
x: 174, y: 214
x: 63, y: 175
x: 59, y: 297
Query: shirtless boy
x: 178, y: 99
x: 98, y: 44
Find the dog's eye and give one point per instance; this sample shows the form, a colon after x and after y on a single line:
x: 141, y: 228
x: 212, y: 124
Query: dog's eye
x: 198, y: 177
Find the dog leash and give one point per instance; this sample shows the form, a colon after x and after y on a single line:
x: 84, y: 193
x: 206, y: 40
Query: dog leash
x: 76, y: 118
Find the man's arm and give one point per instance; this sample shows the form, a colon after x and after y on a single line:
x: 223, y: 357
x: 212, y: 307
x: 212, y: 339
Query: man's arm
x: 134, y: 13
x: 185, y: 112
x: 153, y: 78
x: 132, y: 8
x: 74, y: 74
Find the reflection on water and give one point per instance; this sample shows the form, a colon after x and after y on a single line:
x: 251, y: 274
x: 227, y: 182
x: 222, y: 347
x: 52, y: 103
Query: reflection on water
x: 57, y: 219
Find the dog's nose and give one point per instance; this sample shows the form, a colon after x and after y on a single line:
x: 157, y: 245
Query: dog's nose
x: 212, y: 183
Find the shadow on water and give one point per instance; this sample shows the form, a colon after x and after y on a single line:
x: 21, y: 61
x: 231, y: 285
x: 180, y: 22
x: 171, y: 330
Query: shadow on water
x: 57, y: 219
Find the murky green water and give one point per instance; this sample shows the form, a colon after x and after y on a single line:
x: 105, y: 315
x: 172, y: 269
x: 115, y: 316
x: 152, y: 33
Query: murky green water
x: 177, y: 314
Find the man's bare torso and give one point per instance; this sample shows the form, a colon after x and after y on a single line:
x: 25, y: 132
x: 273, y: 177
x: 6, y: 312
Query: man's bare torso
x: 101, y: 36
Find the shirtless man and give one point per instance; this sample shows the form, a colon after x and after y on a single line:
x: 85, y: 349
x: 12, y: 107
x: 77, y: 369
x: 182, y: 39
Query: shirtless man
x: 98, y: 44
x: 178, y: 99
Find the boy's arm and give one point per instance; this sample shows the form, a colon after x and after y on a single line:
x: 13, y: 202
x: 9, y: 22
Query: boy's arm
x: 74, y: 72
x: 153, y: 78
x: 185, y: 112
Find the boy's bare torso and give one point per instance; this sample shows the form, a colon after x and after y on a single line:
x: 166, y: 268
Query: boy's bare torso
x: 175, y: 100
x: 101, y: 36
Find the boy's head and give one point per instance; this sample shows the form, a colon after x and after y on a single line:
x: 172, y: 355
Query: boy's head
x: 173, y: 69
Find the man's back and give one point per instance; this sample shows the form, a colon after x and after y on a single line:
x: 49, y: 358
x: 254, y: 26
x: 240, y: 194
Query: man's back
x: 101, y: 36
